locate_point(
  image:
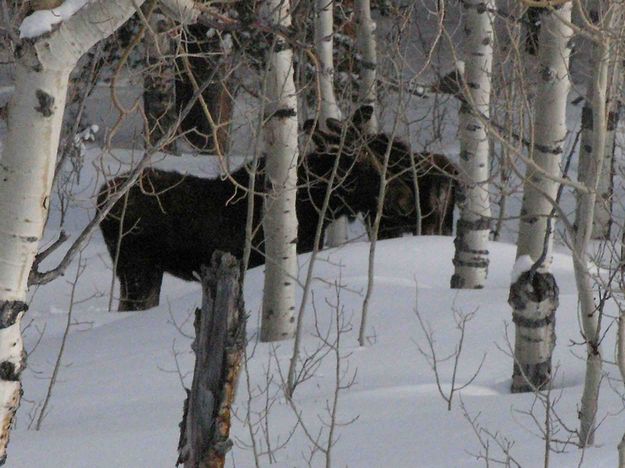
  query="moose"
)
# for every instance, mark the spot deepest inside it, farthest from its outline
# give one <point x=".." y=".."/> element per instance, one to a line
<point x="172" y="223"/>
<point x="428" y="180"/>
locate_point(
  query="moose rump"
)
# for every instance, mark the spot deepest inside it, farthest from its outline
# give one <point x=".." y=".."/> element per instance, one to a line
<point x="169" y="222"/>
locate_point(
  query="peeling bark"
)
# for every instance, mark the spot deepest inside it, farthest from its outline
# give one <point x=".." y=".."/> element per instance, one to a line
<point x="219" y="347"/>
<point x="534" y="300"/>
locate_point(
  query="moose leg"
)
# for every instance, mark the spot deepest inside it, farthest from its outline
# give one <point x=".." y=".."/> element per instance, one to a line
<point x="140" y="287"/>
<point x="448" y="224"/>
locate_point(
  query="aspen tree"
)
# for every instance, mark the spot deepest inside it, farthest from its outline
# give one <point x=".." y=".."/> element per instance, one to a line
<point x="280" y="221"/>
<point x="336" y="232"/>
<point x="365" y="35"/>
<point x="596" y="123"/>
<point x="473" y="227"/>
<point x="43" y="63"/>
<point x="534" y="293"/>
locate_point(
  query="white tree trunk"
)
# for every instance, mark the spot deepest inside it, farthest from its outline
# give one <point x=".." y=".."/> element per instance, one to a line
<point x="336" y="232"/>
<point x="35" y="118"/>
<point x="549" y="134"/>
<point x="324" y="45"/>
<point x="532" y="359"/>
<point x="280" y="221"/>
<point x="473" y="227"/>
<point x="589" y="175"/>
<point x="620" y="360"/>
<point x="602" y="222"/>
<point x="365" y="32"/>
<point x="27" y="168"/>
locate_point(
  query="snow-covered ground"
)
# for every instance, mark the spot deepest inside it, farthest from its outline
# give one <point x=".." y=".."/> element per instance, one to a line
<point x="118" y="400"/>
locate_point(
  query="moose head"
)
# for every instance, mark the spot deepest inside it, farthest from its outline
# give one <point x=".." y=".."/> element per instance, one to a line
<point x="423" y="180"/>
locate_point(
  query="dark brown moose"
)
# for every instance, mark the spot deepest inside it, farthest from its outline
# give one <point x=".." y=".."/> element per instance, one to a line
<point x="172" y="223"/>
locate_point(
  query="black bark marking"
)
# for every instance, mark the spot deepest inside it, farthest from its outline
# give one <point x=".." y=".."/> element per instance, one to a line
<point x="532" y="24"/>
<point x="474" y="264"/>
<point x="281" y="46"/>
<point x="477" y="258"/>
<point x="368" y="65"/>
<point x="548" y="74"/>
<point x="46" y="103"/>
<point x="457" y="282"/>
<point x="9" y="311"/>
<point x="538" y="374"/>
<point x="555" y="150"/>
<point x="612" y="121"/>
<point x="284" y="113"/>
<point x="8" y="373"/>
<point x="570" y="44"/>
<point x="587" y="118"/>
<point x="481" y="224"/>
<point x="526" y="322"/>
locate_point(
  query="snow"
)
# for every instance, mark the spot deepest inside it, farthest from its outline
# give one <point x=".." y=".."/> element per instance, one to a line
<point x="118" y="400"/>
<point x="460" y="67"/>
<point x="42" y="21"/>
<point x="523" y="263"/>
